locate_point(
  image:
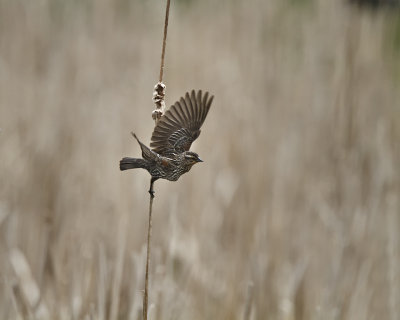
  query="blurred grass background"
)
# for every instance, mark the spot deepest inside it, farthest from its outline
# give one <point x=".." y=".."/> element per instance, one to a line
<point x="293" y="215"/>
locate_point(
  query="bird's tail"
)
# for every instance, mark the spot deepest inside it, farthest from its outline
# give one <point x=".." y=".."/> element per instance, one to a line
<point x="132" y="163"/>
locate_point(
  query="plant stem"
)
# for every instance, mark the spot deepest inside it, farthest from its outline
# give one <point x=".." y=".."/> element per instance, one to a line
<point x="146" y="282"/>
<point x="164" y="41"/>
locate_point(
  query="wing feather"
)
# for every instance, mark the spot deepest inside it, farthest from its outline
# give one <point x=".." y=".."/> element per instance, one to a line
<point x="194" y="103"/>
<point x="180" y="112"/>
<point x="203" y="111"/>
<point x="190" y="106"/>
<point x="186" y="110"/>
<point x="180" y="125"/>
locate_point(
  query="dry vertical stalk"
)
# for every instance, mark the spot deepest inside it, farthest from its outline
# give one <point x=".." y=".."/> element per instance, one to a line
<point x="159" y="89"/>
<point x="248" y="301"/>
<point x="164" y="41"/>
<point x="158" y="98"/>
<point x="146" y="281"/>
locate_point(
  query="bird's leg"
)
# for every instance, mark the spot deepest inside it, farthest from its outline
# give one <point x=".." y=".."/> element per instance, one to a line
<point x="151" y="191"/>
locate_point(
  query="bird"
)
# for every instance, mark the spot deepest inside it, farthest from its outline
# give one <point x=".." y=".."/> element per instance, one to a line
<point x="169" y="156"/>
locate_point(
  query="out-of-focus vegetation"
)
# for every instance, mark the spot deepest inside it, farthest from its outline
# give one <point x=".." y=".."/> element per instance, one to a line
<point x="293" y="215"/>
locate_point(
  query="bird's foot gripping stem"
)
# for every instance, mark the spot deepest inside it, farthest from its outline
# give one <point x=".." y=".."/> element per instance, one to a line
<point x="151" y="191"/>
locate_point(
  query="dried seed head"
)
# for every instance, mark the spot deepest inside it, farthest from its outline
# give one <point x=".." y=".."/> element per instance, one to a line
<point x="158" y="98"/>
<point x="160" y="88"/>
<point x="156" y="114"/>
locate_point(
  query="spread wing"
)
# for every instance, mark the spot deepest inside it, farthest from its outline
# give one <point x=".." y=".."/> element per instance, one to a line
<point x="180" y="125"/>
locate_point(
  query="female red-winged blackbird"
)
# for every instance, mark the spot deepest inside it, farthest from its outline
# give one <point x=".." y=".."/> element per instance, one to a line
<point x="171" y="140"/>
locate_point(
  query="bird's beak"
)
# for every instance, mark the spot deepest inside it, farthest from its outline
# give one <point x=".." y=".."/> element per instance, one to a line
<point x="199" y="160"/>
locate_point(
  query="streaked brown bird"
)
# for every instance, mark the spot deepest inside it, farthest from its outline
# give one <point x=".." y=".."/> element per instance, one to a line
<point x="172" y="137"/>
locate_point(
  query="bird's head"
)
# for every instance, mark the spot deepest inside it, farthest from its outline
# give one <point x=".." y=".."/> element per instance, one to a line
<point x="192" y="157"/>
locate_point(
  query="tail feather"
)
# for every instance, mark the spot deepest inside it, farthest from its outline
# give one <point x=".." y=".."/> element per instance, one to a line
<point x="132" y="163"/>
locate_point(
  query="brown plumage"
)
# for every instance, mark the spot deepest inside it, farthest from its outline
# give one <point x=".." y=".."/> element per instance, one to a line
<point x="172" y="137"/>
